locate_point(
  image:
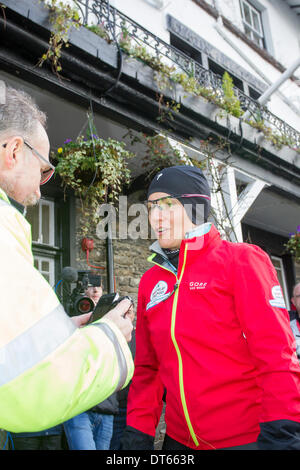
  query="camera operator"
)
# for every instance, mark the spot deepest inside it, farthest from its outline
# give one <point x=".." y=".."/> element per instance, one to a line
<point x="92" y="430"/>
<point x="51" y="368"/>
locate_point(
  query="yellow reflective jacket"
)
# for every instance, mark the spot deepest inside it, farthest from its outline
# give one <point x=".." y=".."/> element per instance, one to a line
<point x="50" y="370"/>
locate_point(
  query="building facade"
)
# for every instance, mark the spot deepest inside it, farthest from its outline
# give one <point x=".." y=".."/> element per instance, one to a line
<point x="156" y="68"/>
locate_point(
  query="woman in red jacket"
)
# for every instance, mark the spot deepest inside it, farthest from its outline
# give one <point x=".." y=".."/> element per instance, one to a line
<point x="213" y="331"/>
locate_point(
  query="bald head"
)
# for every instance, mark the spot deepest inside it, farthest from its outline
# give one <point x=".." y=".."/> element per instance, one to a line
<point x="296" y="297"/>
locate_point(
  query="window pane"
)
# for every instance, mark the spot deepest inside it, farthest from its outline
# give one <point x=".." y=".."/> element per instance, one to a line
<point x="248" y="32"/>
<point x="256" y="24"/>
<point x="45" y="266"/>
<point x="33" y="218"/>
<point x="46" y="224"/>
<point x="279" y="275"/>
<point x="247" y="14"/>
<point x="256" y="39"/>
<point x="276" y="263"/>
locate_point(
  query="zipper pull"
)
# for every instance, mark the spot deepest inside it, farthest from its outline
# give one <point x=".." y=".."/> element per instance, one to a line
<point x="171" y="293"/>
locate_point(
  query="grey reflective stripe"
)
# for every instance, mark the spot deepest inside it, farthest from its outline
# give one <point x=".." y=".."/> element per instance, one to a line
<point x="121" y="358"/>
<point x="35" y="344"/>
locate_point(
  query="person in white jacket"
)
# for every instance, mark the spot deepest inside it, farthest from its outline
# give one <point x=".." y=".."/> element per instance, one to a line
<point x="52" y="367"/>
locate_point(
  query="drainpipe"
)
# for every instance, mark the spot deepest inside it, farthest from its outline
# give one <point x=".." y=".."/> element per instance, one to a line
<point x="220" y="28"/>
<point x="110" y="259"/>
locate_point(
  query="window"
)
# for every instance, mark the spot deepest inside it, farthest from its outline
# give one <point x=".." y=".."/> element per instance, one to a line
<point x="278" y="265"/>
<point x="46" y="267"/>
<point x="252" y="23"/>
<point x="186" y="48"/>
<point x="41" y="218"/>
<point x="218" y="70"/>
<point x="253" y="93"/>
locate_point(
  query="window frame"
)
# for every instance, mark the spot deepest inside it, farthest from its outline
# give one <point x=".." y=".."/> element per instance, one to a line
<point x="39" y="259"/>
<point x="51" y="205"/>
<point x="259" y="13"/>
<point x="284" y="280"/>
<point x="51" y="252"/>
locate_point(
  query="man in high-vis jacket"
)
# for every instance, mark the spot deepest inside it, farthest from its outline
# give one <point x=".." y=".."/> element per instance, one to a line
<point x="52" y="367"/>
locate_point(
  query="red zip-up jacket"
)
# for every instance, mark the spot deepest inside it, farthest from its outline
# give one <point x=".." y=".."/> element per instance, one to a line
<point x="217" y="337"/>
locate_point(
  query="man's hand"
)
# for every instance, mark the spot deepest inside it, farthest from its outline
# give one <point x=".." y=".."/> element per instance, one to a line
<point x="120" y="319"/>
<point x="81" y="320"/>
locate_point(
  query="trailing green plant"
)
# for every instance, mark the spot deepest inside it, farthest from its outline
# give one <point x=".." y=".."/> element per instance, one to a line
<point x="293" y="244"/>
<point x="276" y="139"/>
<point x="230" y="102"/>
<point x="63" y="17"/>
<point x="96" y="169"/>
<point x="100" y="30"/>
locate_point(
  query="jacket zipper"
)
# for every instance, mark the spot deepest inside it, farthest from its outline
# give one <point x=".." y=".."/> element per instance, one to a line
<point x="173" y="321"/>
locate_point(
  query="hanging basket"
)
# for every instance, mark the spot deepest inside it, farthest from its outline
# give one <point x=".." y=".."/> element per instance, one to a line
<point x="96" y="170"/>
<point x="293" y="245"/>
<point x="94" y="167"/>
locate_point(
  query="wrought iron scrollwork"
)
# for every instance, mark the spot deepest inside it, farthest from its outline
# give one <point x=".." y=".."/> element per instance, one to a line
<point x="118" y="26"/>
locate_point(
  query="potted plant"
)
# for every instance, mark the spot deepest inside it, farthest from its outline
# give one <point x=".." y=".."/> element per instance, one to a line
<point x="293" y="245"/>
<point x="96" y="169"/>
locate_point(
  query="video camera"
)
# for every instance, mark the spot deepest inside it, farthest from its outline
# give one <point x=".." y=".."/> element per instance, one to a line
<point x="78" y="301"/>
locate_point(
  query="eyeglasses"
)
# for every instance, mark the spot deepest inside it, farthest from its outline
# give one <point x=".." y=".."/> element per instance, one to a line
<point x="45" y="174"/>
<point x="167" y="203"/>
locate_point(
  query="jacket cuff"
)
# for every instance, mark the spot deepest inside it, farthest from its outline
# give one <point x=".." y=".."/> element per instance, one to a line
<point x="133" y="439"/>
<point x="124" y="347"/>
<point x="282" y="434"/>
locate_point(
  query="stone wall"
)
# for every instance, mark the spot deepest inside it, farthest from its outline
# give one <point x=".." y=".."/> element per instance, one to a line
<point x="129" y="256"/>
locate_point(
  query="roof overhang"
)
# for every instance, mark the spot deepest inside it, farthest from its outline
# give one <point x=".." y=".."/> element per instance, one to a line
<point x="294" y="6"/>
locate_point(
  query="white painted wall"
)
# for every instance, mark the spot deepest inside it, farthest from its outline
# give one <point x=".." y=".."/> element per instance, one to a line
<point x="284" y="28"/>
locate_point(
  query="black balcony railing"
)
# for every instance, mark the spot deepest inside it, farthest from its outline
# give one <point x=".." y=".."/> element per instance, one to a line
<point x="114" y="25"/>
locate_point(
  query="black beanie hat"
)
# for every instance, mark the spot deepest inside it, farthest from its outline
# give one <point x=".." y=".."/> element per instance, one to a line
<point x="184" y="180"/>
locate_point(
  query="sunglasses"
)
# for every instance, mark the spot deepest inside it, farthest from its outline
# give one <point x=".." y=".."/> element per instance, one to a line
<point x="166" y="202"/>
<point x="45" y="174"/>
